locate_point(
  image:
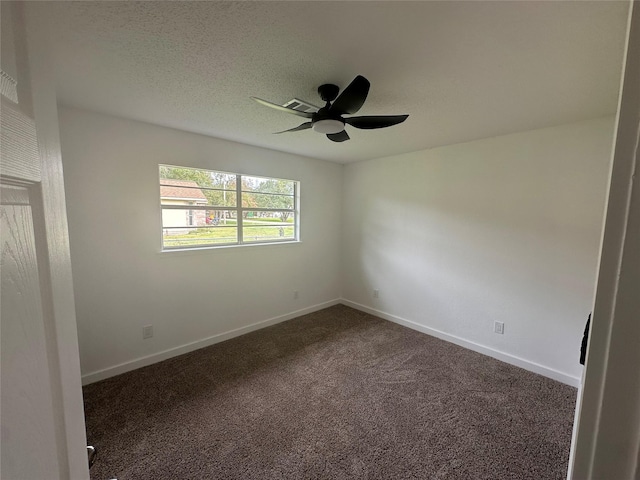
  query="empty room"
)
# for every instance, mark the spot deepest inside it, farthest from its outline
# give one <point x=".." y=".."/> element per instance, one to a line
<point x="319" y="240"/>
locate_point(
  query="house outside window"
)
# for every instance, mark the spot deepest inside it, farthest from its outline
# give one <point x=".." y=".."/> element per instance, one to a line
<point x="206" y="208"/>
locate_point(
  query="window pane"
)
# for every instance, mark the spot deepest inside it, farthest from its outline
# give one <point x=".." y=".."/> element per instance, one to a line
<point x="268" y="226"/>
<point x="266" y="200"/>
<point x="198" y="237"/>
<point x="267" y="185"/>
<point x="185" y="217"/>
<point x="276" y="218"/>
<point x="253" y="233"/>
<point x="197" y="177"/>
<point x="222" y="218"/>
<point x="186" y="192"/>
<point x="190" y="186"/>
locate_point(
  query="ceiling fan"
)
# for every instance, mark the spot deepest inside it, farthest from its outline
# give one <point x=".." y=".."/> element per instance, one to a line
<point x="329" y="119"/>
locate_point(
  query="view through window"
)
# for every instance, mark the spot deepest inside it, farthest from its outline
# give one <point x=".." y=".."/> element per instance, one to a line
<point x="205" y="208"/>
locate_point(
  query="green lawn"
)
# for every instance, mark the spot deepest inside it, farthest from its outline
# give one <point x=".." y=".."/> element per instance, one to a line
<point x="255" y="229"/>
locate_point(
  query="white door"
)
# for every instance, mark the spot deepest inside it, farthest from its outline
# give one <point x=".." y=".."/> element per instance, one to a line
<point x="41" y="412"/>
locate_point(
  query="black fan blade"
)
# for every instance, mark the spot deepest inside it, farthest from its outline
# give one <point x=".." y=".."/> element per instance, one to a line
<point x="281" y="108"/>
<point x="338" y="137"/>
<point x="304" y="126"/>
<point x="373" y="121"/>
<point x="352" y="98"/>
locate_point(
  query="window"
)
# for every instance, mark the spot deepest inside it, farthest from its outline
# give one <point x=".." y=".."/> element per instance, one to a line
<point x="189" y="217"/>
<point x="205" y="208"/>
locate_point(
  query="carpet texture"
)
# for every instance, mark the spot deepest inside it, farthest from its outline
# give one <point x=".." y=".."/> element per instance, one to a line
<point x="336" y="394"/>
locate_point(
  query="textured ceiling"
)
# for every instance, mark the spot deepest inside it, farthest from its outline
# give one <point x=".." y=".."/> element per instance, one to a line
<point x="461" y="70"/>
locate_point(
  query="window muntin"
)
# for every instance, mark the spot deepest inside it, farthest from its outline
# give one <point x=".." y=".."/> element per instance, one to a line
<point x="204" y="208"/>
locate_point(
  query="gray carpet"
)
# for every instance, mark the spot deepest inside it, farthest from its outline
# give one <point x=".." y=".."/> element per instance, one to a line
<point x="337" y="394"/>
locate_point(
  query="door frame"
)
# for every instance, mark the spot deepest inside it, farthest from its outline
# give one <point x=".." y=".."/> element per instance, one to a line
<point x="35" y="71"/>
<point x="606" y="440"/>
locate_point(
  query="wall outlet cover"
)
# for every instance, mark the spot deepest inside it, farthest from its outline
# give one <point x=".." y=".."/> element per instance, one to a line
<point x="147" y="331"/>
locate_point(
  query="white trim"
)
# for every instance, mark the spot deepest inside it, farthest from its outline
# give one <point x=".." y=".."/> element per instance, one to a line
<point x="205" y="342"/>
<point x="476" y="347"/>
<point x="223" y="247"/>
<point x="221" y="337"/>
<point x="56" y="276"/>
<point x="606" y="440"/>
<point x="183" y="199"/>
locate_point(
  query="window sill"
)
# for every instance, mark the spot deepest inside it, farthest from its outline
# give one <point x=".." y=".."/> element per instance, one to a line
<point x="223" y="248"/>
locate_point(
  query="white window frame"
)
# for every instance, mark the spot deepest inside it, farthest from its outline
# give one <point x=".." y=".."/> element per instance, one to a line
<point x="239" y="209"/>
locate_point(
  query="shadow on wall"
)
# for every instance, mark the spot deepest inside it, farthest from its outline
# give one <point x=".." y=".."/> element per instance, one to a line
<point x="457" y="260"/>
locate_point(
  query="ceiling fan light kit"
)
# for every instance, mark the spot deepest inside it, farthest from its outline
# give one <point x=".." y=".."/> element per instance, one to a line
<point x="328" y="126"/>
<point x="329" y="121"/>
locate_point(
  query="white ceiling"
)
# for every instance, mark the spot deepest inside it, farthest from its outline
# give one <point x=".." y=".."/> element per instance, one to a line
<point x="461" y="70"/>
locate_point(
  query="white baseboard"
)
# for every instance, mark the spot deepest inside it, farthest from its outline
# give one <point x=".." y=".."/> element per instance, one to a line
<point x="205" y="342"/>
<point x="505" y="357"/>
<point x="221" y="337"/>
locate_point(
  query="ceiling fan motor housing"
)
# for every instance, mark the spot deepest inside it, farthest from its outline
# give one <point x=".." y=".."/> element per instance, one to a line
<point x="328" y="92"/>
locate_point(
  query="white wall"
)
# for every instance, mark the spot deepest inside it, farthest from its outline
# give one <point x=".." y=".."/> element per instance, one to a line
<point x="502" y="229"/>
<point x="454" y="238"/>
<point x="123" y="282"/>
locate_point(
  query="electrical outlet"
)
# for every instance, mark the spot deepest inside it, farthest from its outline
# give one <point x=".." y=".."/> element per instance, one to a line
<point x="147" y="331"/>
<point x="296" y="294"/>
<point x="376" y="293"/>
<point x="498" y="327"/>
